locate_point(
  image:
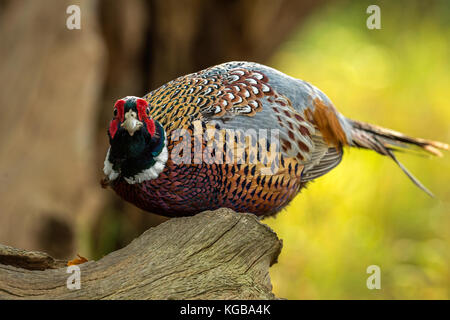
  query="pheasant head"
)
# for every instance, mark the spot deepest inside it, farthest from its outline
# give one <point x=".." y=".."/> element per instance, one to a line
<point x="138" y="144"/>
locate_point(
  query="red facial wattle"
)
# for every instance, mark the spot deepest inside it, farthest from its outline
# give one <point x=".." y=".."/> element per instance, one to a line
<point x="141" y="106"/>
<point x="119" y="116"/>
<point x="113" y="127"/>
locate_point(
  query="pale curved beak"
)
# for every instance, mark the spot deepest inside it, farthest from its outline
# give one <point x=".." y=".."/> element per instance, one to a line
<point x="131" y="123"/>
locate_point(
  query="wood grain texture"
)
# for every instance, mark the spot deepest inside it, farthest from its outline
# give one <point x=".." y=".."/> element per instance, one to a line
<point x="214" y="255"/>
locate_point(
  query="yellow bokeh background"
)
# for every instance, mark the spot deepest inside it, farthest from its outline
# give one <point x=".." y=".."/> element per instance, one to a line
<point x="366" y="211"/>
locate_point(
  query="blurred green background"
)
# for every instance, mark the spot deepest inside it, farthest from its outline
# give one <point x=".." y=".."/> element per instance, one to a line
<point x="366" y="211"/>
<point x="58" y="86"/>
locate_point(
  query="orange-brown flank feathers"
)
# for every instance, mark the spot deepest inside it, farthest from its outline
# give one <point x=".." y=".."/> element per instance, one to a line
<point x="326" y="120"/>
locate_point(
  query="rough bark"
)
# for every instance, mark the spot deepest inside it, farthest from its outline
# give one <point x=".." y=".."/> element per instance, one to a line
<point x="214" y="255"/>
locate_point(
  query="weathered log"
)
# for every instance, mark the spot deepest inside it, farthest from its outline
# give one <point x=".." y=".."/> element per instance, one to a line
<point x="214" y="255"/>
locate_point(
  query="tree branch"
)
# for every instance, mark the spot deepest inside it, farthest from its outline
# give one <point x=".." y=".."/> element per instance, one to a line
<point x="214" y="255"/>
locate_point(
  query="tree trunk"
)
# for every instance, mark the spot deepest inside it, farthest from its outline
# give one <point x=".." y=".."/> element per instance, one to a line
<point x="214" y="255"/>
<point x="50" y="84"/>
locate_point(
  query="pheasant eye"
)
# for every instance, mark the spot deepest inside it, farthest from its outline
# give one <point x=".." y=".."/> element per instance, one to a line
<point x="115" y="112"/>
<point x="147" y="112"/>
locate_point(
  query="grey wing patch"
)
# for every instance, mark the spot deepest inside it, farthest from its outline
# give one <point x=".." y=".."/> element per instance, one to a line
<point x="324" y="159"/>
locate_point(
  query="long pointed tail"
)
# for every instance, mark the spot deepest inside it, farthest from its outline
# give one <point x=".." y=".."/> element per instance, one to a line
<point x="386" y="141"/>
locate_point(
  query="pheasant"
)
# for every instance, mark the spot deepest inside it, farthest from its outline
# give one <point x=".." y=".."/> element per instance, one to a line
<point x="201" y="142"/>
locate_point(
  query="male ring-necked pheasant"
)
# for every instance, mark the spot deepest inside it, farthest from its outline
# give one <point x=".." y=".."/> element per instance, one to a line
<point x="203" y="141"/>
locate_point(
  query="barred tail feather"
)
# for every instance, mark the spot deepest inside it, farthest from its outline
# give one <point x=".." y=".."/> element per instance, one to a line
<point x="386" y="141"/>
